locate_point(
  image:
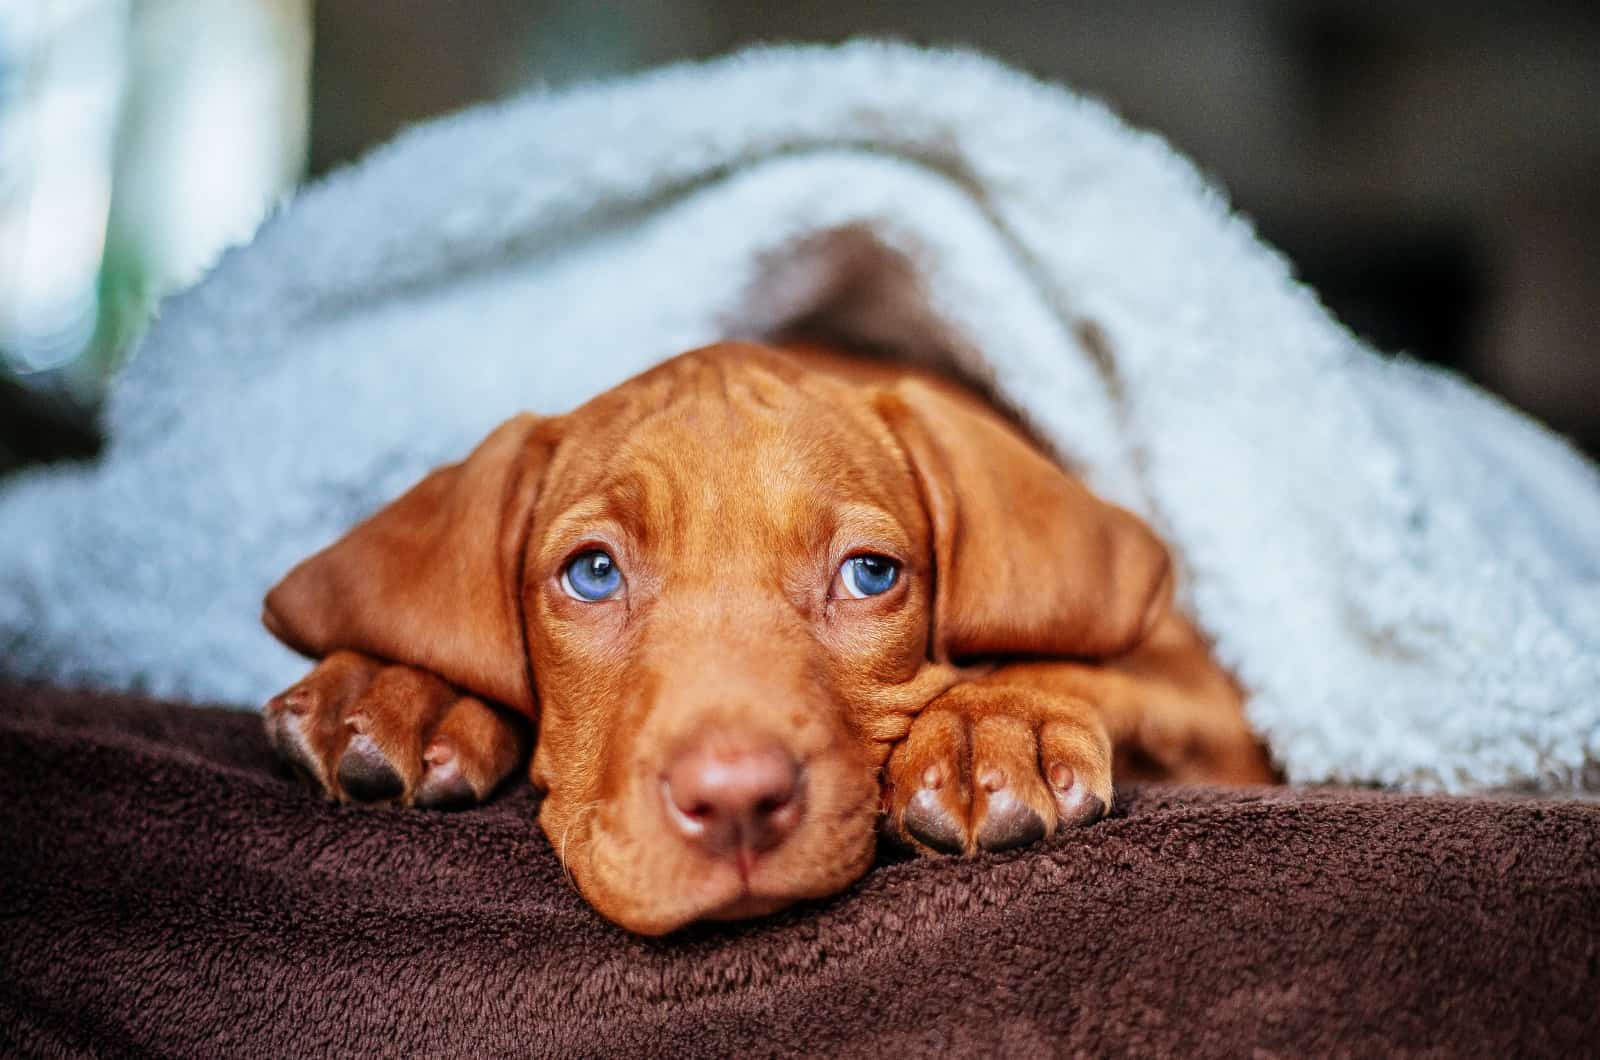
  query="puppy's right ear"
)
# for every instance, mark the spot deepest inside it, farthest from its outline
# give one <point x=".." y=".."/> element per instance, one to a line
<point x="1027" y="561"/>
<point x="434" y="579"/>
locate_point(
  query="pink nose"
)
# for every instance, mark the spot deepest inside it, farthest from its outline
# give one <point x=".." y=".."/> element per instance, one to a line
<point x="734" y="794"/>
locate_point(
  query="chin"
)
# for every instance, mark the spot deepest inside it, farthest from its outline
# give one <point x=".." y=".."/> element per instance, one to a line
<point x="748" y="907"/>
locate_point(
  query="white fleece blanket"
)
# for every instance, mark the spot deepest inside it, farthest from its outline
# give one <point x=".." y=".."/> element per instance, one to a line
<point x="1404" y="573"/>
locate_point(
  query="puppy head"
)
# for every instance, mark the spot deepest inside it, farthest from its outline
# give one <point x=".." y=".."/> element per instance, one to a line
<point x="724" y="589"/>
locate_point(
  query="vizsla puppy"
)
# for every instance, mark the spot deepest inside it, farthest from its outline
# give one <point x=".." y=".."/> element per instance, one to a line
<point x="760" y="602"/>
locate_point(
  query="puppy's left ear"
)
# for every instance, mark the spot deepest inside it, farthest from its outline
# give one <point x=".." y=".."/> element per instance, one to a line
<point x="433" y="579"/>
<point x="1026" y="560"/>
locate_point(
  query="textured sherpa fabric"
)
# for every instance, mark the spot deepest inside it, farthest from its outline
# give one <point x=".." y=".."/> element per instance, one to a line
<point x="166" y="894"/>
<point x="1404" y="574"/>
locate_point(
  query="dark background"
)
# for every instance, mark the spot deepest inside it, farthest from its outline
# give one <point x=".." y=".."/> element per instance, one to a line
<point x="1433" y="170"/>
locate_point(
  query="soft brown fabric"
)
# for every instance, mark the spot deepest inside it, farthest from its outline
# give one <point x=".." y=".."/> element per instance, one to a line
<point x="163" y="891"/>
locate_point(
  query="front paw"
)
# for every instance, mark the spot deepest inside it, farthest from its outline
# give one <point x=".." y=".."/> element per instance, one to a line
<point x="367" y="731"/>
<point x="992" y="769"/>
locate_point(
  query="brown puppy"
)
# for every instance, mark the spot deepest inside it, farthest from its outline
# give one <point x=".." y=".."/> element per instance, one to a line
<point x="757" y="600"/>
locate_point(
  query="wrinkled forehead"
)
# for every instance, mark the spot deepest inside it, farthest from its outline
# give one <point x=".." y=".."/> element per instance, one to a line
<point x="716" y="453"/>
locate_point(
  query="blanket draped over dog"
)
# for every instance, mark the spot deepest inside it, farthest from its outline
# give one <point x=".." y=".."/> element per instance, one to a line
<point x="165" y="892"/>
<point x="1405" y="574"/>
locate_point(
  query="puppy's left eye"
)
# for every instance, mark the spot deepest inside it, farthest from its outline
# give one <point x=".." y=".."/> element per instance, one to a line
<point x="592" y="577"/>
<point x="864" y="576"/>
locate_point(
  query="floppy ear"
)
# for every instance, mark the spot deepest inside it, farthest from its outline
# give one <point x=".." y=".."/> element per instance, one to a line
<point x="432" y="580"/>
<point x="1026" y="560"/>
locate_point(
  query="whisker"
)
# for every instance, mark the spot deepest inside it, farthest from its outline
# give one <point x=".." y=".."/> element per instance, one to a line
<point x="566" y="833"/>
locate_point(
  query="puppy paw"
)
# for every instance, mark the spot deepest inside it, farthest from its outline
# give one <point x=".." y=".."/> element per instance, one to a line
<point x="366" y="731"/>
<point x="977" y="772"/>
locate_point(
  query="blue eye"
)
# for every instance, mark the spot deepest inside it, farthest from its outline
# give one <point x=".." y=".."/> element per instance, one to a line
<point x="592" y="577"/>
<point x="864" y="576"/>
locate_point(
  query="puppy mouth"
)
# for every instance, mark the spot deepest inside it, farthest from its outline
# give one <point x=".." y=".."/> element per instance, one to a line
<point x="745" y="890"/>
<point x="745" y="884"/>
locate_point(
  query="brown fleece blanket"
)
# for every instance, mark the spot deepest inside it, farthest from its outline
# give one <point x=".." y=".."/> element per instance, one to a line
<point x="164" y="890"/>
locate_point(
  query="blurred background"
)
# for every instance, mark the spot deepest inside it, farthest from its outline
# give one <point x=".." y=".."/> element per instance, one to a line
<point x="1432" y="169"/>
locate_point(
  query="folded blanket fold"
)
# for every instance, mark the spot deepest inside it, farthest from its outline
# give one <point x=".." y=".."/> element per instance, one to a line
<point x="1405" y="574"/>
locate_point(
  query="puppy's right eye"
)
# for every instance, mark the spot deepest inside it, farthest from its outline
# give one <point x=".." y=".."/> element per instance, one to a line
<point x="867" y="575"/>
<point x="591" y="577"/>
